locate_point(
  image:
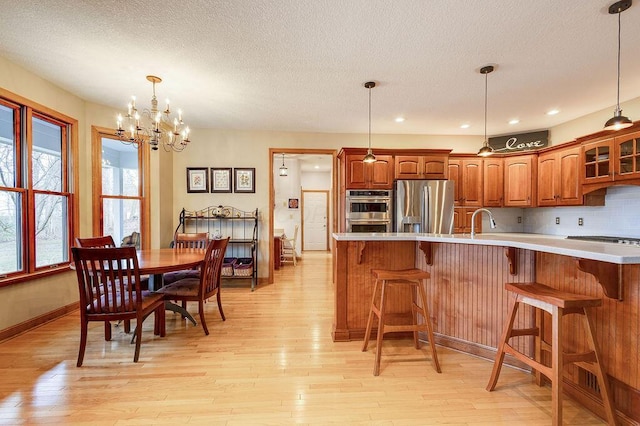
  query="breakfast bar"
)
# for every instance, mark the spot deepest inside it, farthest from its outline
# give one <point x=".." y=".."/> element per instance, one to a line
<point x="468" y="303"/>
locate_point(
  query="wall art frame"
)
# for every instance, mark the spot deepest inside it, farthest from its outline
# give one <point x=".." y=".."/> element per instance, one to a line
<point x="244" y="180"/>
<point x="221" y="180"/>
<point x="197" y="179"/>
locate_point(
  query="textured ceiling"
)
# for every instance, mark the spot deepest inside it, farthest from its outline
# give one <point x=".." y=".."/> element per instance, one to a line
<point x="300" y="65"/>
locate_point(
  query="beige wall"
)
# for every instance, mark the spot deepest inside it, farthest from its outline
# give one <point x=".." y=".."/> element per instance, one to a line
<point x="210" y="148"/>
<point x="591" y="123"/>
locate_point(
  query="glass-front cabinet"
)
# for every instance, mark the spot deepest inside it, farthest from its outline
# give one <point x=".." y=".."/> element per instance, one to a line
<point x="628" y="156"/>
<point x="598" y="161"/>
<point x="615" y="158"/>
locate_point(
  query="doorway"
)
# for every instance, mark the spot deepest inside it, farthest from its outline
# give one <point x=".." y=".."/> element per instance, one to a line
<point x="295" y="172"/>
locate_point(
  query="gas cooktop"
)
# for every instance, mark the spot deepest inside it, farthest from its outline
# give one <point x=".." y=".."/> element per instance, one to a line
<point x="605" y="239"/>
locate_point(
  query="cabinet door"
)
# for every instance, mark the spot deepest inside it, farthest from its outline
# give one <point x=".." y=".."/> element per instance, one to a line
<point x="408" y="167"/>
<point x="493" y="185"/>
<point x="569" y="185"/>
<point x="355" y="172"/>
<point x="434" y="167"/>
<point x="472" y="182"/>
<point x="598" y="162"/>
<point x="458" y="220"/>
<point x="547" y="179"/>
<point x="628" y="156"/>
<point x="468" y="214"/>
<point x="519" y="181"/>
<point x="381" y="172"/>
<point x="455" y="174"/>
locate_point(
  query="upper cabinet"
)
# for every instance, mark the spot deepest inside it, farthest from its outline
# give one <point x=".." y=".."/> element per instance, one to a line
<point x="559" y="182"/>
<point x="598" y="161"/>
<point x="610" y="160"/>
<point x="467" y="173"/>
<point x="361" y="175"/>
<point x="421" y="165"/>
<point x="627" y="150"/>
<point x="520" y="180"/>
<point x="493" y="185"/>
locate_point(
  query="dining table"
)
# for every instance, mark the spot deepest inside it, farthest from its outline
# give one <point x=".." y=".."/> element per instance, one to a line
<point x="156" y="262"/>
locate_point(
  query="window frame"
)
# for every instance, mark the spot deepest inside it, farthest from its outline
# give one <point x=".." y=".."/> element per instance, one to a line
<point x="144" y="185"/>
<point x="24" y="111"/>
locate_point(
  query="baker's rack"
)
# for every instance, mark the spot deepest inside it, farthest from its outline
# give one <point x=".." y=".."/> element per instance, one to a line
<point x="227" y="221"/>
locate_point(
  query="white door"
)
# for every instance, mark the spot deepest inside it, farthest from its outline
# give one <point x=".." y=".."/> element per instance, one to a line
<point x="315" y="220"/>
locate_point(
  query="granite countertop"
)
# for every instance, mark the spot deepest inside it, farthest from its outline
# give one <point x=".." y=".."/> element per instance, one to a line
<point x="605" y="252"/>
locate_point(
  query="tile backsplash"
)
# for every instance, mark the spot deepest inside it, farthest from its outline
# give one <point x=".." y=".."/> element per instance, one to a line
<point x="620" y="217"/>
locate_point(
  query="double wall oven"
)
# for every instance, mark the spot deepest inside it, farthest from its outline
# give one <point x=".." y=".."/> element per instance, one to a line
<point x="368" y="210"/>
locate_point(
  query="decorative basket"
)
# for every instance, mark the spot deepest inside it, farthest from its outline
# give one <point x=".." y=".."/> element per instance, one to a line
<point x="243" y="267"/>
<point x="227" y="266"/>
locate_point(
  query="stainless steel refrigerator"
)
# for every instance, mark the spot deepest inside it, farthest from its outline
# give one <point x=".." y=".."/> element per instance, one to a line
<point x="423" y="206"/>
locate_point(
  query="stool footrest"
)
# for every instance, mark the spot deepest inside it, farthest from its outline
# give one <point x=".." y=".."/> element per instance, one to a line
<point x="588" y="357"/>
<point x="396" y="328"/>
<point x="535" y="331"/>
<point x="547" y="371"/>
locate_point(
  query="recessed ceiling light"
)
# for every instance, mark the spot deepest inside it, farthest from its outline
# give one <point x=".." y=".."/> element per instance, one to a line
<point x="514" y="121"/>
<point x="316" y="167"/>
<point x="465" y="126"/>
<point x="553" y="112"/>
<point x="399" y="119"/>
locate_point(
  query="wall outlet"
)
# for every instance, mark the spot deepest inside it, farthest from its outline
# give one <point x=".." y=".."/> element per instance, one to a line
<point x="580" y="221"/>
<point x="519" y="219"/>
<point x="557" y="221"/>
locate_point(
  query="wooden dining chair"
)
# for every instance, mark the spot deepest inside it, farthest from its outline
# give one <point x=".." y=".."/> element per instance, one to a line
<point x="106" y="241"/>
<point x="206" y="286"/>
<point x="109" y="288"/>
<point x="102" y="241"/>
<point x="198" y="240"/>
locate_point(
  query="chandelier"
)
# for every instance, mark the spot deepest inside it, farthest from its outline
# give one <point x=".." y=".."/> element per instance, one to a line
<point x="153" y="126"/>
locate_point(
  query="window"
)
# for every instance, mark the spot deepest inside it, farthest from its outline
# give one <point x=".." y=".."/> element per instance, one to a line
<point x="36" y="219"/>
<point x="120" y="193"/>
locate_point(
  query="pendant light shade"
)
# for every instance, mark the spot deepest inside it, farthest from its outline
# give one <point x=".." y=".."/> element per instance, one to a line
<point x="283" y="170"/>
<point x="618" y="121"/>
<point x="369" y="158"/>
<point x="486" y="150"/>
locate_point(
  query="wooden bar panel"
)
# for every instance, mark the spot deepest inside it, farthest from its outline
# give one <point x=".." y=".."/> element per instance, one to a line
<point x="354" y="282"/>
<point x="468" y="302"/>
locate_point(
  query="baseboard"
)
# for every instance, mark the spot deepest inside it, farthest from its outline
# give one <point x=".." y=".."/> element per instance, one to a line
<point x="32" y="323"/>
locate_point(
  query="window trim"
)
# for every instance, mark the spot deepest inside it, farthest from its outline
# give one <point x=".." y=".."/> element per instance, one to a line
<point x="22" y="124"/>
<point x="97" y="133"/>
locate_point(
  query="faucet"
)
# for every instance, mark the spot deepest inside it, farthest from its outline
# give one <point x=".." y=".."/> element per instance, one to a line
<point x="473" y="221"/>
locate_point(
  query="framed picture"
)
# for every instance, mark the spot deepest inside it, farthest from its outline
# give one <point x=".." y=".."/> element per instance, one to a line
<point x="220" y="179"/>
<point x="293" y="203"/>
<point x="197" y="179"/>
<point x="244" y="180"/>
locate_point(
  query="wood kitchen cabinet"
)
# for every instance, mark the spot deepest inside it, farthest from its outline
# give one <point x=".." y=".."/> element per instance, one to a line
<point x="361" y="175"/>
<point x="493" y="182"/>
<point x="421" y="165"/>
<point x="559" y="182"/>
<point x="611" y="159"/>
<point x="520" y="180"/>
<point x="466" y="172"/>
<point x="462" y="220"/>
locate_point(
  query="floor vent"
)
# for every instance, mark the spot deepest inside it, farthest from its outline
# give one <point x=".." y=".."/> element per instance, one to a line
<point x="589" y="381"/>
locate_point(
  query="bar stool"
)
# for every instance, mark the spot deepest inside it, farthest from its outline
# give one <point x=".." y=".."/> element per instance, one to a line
<point x="558" y="304"/>
<point x="405" y="277"/>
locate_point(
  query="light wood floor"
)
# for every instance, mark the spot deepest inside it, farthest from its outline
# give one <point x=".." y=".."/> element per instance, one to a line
<point x="272" y="362"/>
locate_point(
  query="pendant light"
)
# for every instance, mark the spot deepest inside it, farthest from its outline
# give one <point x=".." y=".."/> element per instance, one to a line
<point x="618" y="121"/>
<point x="283" y="170"/>
<point x="486" y="150"/>
<point x="369" y="158"/>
